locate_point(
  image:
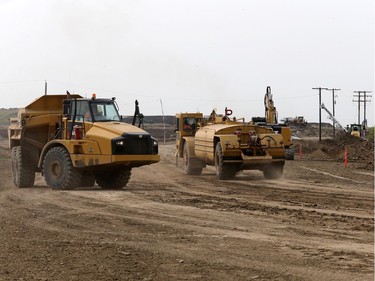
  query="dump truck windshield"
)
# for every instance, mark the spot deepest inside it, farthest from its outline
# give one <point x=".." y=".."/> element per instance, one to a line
<point x="97" y="111"/>
<point x="104" y="111"/>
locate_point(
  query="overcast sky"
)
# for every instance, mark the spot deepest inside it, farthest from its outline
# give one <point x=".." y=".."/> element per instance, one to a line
<point x="191" y="55"/>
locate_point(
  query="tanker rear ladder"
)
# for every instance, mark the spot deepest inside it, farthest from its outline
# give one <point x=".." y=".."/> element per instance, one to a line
<point x="332" y="117"/>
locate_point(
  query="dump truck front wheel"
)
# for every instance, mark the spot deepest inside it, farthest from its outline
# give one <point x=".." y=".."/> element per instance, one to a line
<point x="58" y="169"/>
<point x="23" y="175"/>
<point x="114" y="178"/>
<point x="223" y="171"/>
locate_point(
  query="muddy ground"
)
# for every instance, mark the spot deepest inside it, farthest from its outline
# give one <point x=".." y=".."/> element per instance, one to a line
<point x="316" y="223"/>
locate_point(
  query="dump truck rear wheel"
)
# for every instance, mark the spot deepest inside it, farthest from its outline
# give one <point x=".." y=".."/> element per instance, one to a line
<point x="223" y="172"/>
<point x="23" y="176"/>
<point x="115" y="178"/>
<point x="188" y="163"/>
<point x="58" y="169"/>
<point x="273" y="171"/>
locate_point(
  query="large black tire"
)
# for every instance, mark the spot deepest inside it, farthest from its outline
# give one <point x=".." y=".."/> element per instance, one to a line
<point x="58" y="169"/>
<point x="273" y="171"/>
<point x="223" y="171"/>
<point x="189" y="162"/>
<point x="114" y="178"/>
<point x="23" y="175"/>
<point x="289" y="153"/>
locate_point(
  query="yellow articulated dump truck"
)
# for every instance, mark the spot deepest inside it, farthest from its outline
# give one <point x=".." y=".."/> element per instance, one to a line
<point x="229" y="144"/>
<point x="75" y="142"/>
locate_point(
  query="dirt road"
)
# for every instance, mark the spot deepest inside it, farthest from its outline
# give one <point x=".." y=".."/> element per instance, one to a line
<point x="317" y="223"/>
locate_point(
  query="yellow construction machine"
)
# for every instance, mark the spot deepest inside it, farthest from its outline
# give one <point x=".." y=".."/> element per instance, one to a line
<point x="75" y="142"/>
<point x="270" y="120"/>
<point x="355" y="130"/>
<point x="229" y="144"/>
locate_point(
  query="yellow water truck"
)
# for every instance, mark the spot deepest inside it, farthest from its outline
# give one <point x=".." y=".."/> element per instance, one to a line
<point x="229" y="144"/>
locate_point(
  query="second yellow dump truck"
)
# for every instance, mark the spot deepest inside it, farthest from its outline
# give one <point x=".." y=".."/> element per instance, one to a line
<point x="75" y="142"/>
<point x="229" y="144"/>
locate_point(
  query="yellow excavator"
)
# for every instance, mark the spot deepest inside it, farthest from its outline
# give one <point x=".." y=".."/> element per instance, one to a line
<point x="270" y="120"/>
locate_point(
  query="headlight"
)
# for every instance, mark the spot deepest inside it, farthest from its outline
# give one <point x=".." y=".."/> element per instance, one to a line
<point x="155" y="146"/>
<point x="120" y="142"/>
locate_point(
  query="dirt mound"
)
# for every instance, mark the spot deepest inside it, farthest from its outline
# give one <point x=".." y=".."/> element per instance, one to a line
<point x="358" y="150"/>
<point x="319" y="155"/>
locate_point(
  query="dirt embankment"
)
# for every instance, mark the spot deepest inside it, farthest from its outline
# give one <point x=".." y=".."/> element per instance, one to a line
<point x="357" y="151"/>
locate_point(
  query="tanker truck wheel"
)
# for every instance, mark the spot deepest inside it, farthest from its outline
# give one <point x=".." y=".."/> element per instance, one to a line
<point x="23" y="176"/>
<point x="289" y="153"/>
<point x="273" y="171"/>
<point x="189" y="168"/>
<point x="58" y="169"/>
<point x="114" y="178"/>
<point x="223" y="171"/>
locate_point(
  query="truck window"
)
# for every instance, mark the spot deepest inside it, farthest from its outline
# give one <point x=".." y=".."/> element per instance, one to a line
<point x="189" y="124"/>
<point x="83" y="111"/>
<point x="105" y="111"/>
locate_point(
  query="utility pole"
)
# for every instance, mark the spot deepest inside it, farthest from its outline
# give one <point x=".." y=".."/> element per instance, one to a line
<point x="320" y="110"/>
<point x="333" y="108"/>
<point x="363" y="99"/>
